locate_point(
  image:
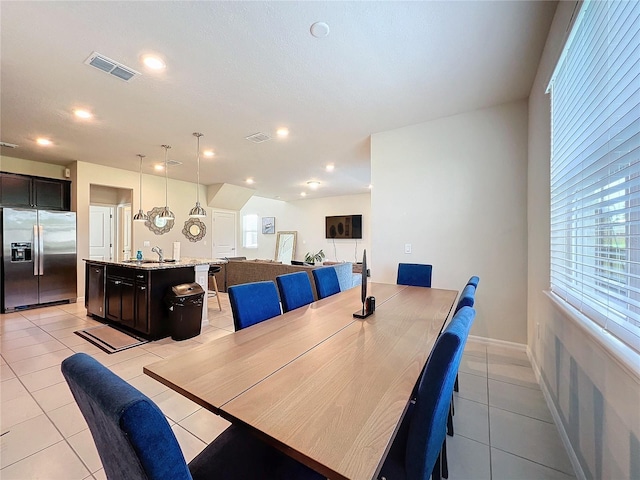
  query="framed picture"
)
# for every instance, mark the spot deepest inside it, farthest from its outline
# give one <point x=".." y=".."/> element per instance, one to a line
<point x="268" y="225"/>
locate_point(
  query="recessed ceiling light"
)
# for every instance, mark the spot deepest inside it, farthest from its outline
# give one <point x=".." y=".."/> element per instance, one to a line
<point x="153" y="62"/>
<point x="45" y="142"/>
<point x="330" y="167"/>
<point x="313" y="184"/>
<point x="208" y="153"/>
<point x="319" y="29"/>
<point x="303" y="194"/>
<point x="282" y="132"/>
<point x="80" y="113"/>
<point x="249" y="181"/>
<point x="159" y="167"/>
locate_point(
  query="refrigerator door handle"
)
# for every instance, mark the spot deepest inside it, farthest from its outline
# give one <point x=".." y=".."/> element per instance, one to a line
<point x="36" y="256"/>
<point x="40" y="250"/>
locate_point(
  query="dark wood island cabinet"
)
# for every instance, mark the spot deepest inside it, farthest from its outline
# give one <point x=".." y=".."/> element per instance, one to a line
<point x="132" y="295"/>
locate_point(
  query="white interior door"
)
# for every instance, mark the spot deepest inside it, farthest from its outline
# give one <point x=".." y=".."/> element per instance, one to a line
<point x="100" y="232"/>
<point x="224" y="234"/>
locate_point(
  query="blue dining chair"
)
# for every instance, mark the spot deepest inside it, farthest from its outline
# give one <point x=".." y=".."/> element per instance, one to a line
<point x="134" y="439"/>
<point x="416" y="451"/>
<point x="295" y="290"/>
<point x="253" y="303"/>
<point x="414" y="274"/>
<point x="467" y="297"/>
<point x="326" y="281"/>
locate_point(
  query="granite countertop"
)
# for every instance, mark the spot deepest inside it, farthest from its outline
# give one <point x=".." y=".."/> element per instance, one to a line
<point x="148" y="264"/>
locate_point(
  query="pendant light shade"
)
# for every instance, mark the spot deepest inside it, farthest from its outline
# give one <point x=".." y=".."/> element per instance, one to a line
<point x="165" y="212"/>
<point x="140" y="216"/>
<point x="198" y="211"/>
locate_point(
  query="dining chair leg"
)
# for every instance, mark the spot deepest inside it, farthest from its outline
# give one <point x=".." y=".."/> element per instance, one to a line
<point x="443" y="457"/>
<point x="452" y="412"/>
<point x="435" y="474"/>
<point x="215" y="291"/>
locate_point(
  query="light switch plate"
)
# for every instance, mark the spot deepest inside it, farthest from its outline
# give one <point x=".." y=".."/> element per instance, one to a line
<point x="407" y="248"/>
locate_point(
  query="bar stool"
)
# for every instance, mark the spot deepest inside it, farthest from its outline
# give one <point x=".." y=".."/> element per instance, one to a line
<point x="213" y="269"/>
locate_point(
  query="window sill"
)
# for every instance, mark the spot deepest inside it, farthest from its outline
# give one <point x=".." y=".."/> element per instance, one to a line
<point x="619" y="352"/>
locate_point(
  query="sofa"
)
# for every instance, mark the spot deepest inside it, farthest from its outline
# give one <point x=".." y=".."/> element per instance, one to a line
<point x="237" y="272"/>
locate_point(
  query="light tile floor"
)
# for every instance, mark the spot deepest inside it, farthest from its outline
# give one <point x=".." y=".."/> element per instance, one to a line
<point x="503" y="427"/>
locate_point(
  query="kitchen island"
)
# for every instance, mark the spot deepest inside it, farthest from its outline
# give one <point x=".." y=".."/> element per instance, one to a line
<point x="131" y="293"/>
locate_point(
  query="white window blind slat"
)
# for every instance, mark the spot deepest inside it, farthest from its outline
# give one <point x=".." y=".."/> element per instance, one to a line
<point x="595" y="169"/>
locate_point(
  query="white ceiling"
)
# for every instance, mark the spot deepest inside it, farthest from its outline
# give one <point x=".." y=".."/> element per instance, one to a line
<point x="236" y="68"/>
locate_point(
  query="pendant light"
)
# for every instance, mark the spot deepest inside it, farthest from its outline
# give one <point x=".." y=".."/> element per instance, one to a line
<point x="165" y="212"/>
<point x="140" y="216"/>
<point x="198" y="211"/>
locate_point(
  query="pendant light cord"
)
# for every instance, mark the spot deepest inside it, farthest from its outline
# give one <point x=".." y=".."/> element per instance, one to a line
<point x="198" y="135"/>
<point x="141" y="157"/>
<point x="166" y="178"/>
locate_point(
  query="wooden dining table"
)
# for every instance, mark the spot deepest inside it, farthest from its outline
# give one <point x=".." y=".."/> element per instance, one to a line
<point x="322" y="386"/>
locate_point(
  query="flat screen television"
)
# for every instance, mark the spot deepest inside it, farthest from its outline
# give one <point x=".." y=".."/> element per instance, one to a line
<point x="343" y="226"/>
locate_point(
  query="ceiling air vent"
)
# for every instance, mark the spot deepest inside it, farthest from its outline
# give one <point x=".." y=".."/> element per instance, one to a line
<point x="111" y="67"/>
<point x="258" y="137"/>
<point x="173" y="163"/>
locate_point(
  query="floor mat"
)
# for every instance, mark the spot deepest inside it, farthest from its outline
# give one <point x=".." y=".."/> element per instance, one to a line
<point x="110" y="339"/>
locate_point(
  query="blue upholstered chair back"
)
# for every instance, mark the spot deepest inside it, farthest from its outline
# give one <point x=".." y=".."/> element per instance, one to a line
<point x="326" y="281"/>
<point x="414" y="274"/>
<point x="474" y="281"/>
<point x="467" y="297"/>
<point x="428" y="424"/>
<point x="295" y="290"/>
<point x="253" y="303"/>
<point x="132" y="435"/>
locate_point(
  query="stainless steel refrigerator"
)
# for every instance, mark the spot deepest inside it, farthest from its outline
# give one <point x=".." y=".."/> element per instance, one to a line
<point x="38" y="257"/>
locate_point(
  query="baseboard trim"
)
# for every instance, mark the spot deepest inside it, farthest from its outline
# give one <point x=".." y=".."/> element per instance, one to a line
<point x="573" y="458"/>
<point x="521" y="347"/>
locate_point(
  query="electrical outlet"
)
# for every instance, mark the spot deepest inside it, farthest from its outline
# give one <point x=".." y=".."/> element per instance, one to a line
<point x="146" y="243"/>
<point x="407" y="248"/>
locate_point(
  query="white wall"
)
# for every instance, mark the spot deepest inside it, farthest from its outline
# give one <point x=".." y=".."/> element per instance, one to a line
<point x="182" y="197"/>
<point x="28" y="167"/>
<point x="455" y="189"/>
<point x="597" y="396"/>
<point x="307" y="218"/>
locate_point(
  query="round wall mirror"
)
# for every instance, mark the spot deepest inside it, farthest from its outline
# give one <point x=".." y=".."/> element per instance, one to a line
<point x="194" y="230"/>
<point x="156" y="224"/>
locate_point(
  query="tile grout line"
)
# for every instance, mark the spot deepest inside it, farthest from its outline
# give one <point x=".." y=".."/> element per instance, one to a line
<point x="534" y="461"/>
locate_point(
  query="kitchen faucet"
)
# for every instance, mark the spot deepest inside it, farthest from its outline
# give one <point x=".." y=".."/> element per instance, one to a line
<point x="158" y="250"/>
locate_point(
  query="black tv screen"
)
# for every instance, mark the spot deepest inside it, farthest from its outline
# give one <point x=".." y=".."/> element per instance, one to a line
<point x="343" y="226"/>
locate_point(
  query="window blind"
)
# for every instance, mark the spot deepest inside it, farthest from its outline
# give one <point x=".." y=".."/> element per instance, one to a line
<point x="595" y="168"/>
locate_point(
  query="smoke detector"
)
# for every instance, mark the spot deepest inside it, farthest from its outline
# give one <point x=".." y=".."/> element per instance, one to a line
<point x="111" y="67"/>
<point x="258" y="137"/>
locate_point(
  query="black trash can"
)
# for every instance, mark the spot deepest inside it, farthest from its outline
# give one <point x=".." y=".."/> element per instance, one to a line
<point x="185" y="310"/>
